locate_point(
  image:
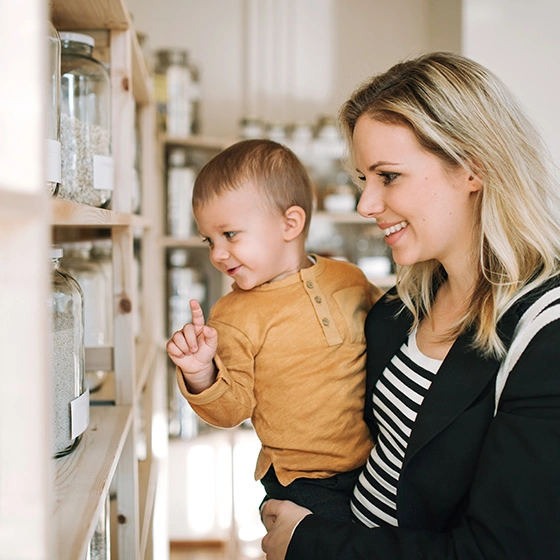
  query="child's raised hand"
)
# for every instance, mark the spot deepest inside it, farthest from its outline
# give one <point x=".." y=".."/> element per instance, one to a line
<point x="193" y="348"/>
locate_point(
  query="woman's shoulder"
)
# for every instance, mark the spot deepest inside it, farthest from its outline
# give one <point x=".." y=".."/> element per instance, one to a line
<point x="548" y="293"/>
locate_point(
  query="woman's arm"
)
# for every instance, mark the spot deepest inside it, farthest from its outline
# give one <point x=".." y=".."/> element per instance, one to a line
<point x="514" y="498"/>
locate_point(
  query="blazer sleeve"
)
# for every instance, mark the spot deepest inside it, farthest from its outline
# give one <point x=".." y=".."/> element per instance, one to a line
<point x="513" y="509"/>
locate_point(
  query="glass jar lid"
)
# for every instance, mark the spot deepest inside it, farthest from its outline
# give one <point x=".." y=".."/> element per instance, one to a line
<point x="56" y="252"/>
<point x="77" y="38"/>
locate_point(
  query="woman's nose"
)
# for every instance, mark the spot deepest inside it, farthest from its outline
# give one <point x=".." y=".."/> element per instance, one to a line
<point x="371" y="202"/>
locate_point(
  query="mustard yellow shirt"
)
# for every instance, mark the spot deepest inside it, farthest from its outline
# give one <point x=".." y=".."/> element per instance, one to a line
<point x="291" y="356"/>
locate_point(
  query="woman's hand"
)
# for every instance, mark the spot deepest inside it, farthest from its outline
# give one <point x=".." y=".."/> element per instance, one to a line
<point x="280" y="519"/>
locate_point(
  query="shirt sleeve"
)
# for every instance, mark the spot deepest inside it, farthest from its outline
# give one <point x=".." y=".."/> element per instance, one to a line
<point x="230" y="399"/>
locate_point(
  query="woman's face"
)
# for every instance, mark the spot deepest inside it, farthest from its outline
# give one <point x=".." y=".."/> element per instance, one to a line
<point x="426" y="210"/>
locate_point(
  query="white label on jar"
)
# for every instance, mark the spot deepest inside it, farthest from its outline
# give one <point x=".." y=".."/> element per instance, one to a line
<point x="79" y="414"/>
<point x="102" y="173"/>
<point x="53" y="161"/>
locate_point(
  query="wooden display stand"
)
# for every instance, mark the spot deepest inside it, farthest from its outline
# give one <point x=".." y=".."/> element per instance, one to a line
<point x="49" y="508"/>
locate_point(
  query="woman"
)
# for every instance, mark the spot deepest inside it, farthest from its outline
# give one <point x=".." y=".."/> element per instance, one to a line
<point x="467" y="458"/>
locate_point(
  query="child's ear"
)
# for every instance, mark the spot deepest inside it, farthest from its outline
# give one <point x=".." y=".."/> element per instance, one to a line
<point x="294" y="222"/>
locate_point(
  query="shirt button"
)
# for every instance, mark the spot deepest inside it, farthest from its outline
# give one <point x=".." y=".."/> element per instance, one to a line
<point x="326" y="322"/>
<point x="309" y="284"/>
<point x="318" y="299"/>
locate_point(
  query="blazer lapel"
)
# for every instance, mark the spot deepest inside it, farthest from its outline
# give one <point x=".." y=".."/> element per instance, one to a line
<point x="462" y="377"/>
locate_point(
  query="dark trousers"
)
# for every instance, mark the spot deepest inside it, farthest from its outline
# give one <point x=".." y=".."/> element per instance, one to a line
<point x="327" y="497"/>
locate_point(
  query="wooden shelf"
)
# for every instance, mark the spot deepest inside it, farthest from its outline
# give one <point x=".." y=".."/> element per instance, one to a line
<point x="191" y="242"/>
<point x="82" y="480"/>
<point x="65" y="213"/>
<point x="147" y="482"/>
<point x="145" y="357"/>
<point x="101" y="14"/>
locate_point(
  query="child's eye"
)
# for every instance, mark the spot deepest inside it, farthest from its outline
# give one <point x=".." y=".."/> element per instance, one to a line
<point x="388" y="177"/>
<point x="229" y="234"/>
<point x="207" y="240"/>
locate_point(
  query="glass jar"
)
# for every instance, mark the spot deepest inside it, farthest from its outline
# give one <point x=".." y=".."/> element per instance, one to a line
<point x="85" y="123"/>
<point x="173" y="81"/>
<point x="327" y="153"/>
<point x="100" y="544"/>
<point x="92" y="280"/>
<point x="184" y="283"/>
<point x="196" y="98"/>
<point x="70" y="399"/>
<point x="301" y="140"/>
<point x="180" y="183"/>
<point x="102" y="255"/>
<point x="251" y="127"/>
<point x="276" y="131"/>
<point x="53" y="110"/>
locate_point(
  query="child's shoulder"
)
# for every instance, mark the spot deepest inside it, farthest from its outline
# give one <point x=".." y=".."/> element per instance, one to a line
<point x="341" y="267"/>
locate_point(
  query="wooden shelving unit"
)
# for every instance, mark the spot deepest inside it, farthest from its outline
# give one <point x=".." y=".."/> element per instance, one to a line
<point x="49" y="507"/>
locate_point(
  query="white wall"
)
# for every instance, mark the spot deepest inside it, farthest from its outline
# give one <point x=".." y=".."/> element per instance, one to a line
<point x="519" y="40"/>
<point x="287" y="59"/>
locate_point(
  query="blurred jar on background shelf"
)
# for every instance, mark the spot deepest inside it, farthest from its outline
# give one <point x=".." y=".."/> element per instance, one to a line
<point x="327" y="152"/>
<point x="300" y="141"/>
<point x="185" y="282"/>
<point x="340" y="197"/>
<point x="278" y="132"/>
<point x="182" y="421"/>
<point x="180" y="182"/>
<point x="52" y="98"/>
<point x="102" y="255"/>
<point x="94" y="285"/>
<point x="70" y="399"/>
<point x="85" y="123"/>
<point x="250" y="128"/>
<point x="177" y="90"/>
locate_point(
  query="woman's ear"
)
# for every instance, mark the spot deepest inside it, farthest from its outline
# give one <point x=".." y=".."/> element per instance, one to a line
<point x="294" y="222"/>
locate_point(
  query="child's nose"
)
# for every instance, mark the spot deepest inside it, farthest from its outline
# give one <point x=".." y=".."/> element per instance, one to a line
<point x="219" y="253"/>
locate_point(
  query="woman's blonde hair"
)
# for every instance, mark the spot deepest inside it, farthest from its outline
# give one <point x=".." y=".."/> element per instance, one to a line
<point x="463" y="114"/>
<point x="272" y="169"/>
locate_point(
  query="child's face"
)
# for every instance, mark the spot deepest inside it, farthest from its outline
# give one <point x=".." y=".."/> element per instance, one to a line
<point x="245" y="236"/>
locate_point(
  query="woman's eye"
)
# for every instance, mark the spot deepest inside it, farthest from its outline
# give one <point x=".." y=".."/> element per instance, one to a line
<point x="360" y="177"/>
<point x="388" y="177"/>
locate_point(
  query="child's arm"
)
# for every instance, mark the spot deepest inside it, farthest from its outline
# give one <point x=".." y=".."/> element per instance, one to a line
<point x="192" y="349"/>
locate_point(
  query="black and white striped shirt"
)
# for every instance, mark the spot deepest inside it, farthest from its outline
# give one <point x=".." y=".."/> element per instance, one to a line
<point x="397" y="398"/>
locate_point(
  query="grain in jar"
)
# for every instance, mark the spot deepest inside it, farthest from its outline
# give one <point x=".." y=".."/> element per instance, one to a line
<point x="70" y="399"/>
<point x="85" y="123"/>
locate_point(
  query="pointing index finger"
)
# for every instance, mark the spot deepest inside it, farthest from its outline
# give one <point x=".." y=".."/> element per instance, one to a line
<point x="197" y="316"/>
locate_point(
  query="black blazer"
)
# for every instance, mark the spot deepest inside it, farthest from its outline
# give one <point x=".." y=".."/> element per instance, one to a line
<point x="472" y="486"/>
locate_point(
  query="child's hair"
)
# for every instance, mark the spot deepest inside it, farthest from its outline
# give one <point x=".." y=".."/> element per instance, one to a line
<point x="271" y="168"/>
<point x="462" y="113"/>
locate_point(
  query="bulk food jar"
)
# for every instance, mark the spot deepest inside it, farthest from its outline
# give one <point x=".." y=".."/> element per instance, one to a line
<point x="85" y="123"/>
<point x="53" y="110"/>
<point x="176" y="92"/>
<point x="94" y="284"/>
<point x="180" y="183"/>
<point x="70" y="399"/>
